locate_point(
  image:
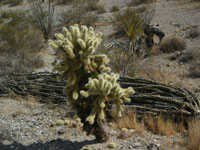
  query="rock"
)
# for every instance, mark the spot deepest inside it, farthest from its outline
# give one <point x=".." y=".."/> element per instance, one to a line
<point x="61" y="131"/>
<point x="137" y="144"/>
<point x="123" y="135"/>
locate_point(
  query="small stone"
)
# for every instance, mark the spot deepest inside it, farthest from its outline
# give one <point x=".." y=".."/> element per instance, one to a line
<point x="131" y="130"/>
<point x="113" y="132"/>
<point x="74" y="125"/>
<point x="123" y="135"/>
<point x="61" y="131"/>
<point x="134" y="145"/>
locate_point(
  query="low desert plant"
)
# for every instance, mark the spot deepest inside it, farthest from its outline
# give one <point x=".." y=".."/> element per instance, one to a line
<point x="128" y="121"/>
<point x="125" y="57"/>
<point x="114" y="9"/>
<point x="130" y="22"/>
<point x="20" y="44"/>
<point x="43" y="15"/>
<point x="192" y="142"/>
<point x="194" y="68"/>
<point x="161" y="126"/>
<point x="171" y="44"/>
<point x="79" y="15"/>
<point x="64" y="2"/>
<point x="12" y="2"/>
<point x="92" y="5"/>
<point x="139" y="2"/>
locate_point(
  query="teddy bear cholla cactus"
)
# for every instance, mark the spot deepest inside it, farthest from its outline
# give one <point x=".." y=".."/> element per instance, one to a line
<point x="107" y="89"/>
<point x="88" y="75"/>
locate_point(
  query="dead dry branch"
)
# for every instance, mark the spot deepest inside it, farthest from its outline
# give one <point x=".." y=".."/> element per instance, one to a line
<point x="150" y="97"/>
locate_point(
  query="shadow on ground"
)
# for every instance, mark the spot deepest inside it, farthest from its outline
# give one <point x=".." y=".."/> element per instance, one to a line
<point x="58" y="144"/>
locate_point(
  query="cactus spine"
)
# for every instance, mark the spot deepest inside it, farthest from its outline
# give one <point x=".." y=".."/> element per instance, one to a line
<point x="90" y="85"/>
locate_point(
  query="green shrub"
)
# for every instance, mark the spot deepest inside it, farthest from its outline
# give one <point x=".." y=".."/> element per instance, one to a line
<point x="43" y="16"/>
<point x="171" y="44"/>
<point x="20" y="44"/>
<point x="12" y="2"/>
<point x="130" y="22"/>
<point x="64" y="2"/>
<point x="79" y="15"/>
<point x="194" y="69"/>
<point x="125" y="58"/>
<point x="139" y="2"/>
<point x="114" y="9"/>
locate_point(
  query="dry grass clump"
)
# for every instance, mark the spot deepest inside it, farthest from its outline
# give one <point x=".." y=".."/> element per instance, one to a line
<point x="194" y="68"/>
<point x="20" y="44"/>
<point x="82" y="12"/>
<point x="129" y="22"/>
<point x="162" y="126"/>
<point x="114" y="9"/>
<point x="139" y="2"/>
<point x="64" y="2"/>
<point x="158" y="125"/>
<point x="91" y="5"/>
<point x="193" y="139"/>
<point x="171" y="44"/>
<point x="128" y="121"/>
<point x="192" y="58"/>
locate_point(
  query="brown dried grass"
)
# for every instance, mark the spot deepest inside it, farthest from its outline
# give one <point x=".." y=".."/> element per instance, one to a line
<point x="128" y="121"/>
<point x="193" y="139"/>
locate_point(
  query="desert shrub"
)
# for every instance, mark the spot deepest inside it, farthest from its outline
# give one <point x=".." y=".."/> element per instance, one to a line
<point x="43" y="16"/>
<point x="92" y="5"/>
<point x="64" y="2"/>
<point x="114" y="9"/>
<point x="161" y="126"/>
<point x="132" y="21"/>
<point x="12" y="2"/>
<point x="125" y="58"/>
<point x="193" y="33"/>
<point x="139" y="2"/>
<point x="171" y="44"/>
<point x="129" y="120"/>
<point x="192" y="142"/>
<point x="20" y="45"/>
<point x="101" y="9"/>
<point x="194" y="65"/>
<point x="189" y="55"/>
<point x="78" y="14"/>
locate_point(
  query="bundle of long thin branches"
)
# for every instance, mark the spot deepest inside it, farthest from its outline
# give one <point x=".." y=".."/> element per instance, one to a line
<point x="150" y="97"/>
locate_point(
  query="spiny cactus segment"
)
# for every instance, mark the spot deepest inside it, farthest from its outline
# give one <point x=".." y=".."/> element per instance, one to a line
<point x="76" y="47"/>
<point x="106" y="88"/>
<point x="87" y="76"/>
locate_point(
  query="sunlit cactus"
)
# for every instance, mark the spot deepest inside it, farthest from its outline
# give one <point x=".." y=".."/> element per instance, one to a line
<point x="90" y="85"/>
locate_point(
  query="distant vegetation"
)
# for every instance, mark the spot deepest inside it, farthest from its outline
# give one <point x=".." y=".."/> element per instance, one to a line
<point x="82" y="12"/>
<point x="11" y="2"/>
<point x="20" y="43"/>
<point x="172" y="44"/>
